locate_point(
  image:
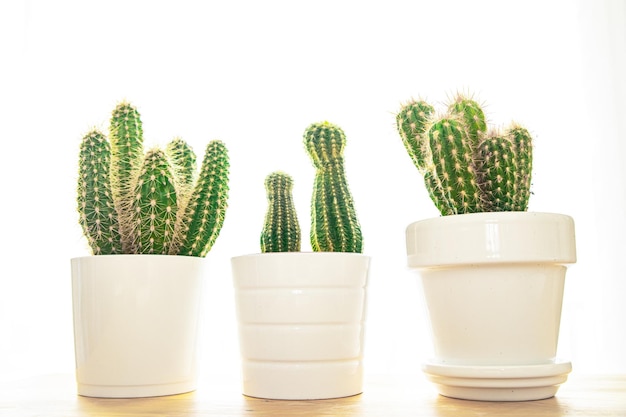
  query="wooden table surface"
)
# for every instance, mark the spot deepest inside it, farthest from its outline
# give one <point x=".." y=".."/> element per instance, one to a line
<point x="384" y="396"/>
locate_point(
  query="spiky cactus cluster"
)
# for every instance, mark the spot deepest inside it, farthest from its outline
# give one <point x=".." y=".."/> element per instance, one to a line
<point x="466" y="167"/>
<point x="149" y="203"/>
<point x="334" y="223"/>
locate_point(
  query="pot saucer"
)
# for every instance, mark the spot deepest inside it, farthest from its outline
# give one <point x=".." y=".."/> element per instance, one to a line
<point x="498" y="383"/>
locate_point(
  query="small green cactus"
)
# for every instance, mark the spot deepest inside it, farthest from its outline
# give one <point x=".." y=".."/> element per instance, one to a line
<point x="281" y="230"/>
<point x="98" y="216"/>
<point x="204" y="214"/>
<point x="334" y="223"/>
<point x="466" y="168"/>
<point x="151" y="204"/>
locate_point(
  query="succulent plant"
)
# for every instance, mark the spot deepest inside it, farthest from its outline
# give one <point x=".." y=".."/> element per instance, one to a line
<point x="466" y="167"/>
<point x="281" y="229"/>
<point x="152" y="203"/>
<point x="334" y="223"/>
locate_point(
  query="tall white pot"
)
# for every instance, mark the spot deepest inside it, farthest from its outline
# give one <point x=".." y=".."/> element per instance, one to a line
<point x="301" y="323"/>
<point x="493" y="287"/>
<point x="136" y="324"/>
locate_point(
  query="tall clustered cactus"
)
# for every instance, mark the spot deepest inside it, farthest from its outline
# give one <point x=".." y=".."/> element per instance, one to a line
<point x="134" y="203"/>
<point x="467" y="168"/>
<point x="334" y="223"/>
<point x="281" y="229"/>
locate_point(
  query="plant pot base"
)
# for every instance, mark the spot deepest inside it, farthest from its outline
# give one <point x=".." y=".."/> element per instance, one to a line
<point x="498" y="383"/>
<point x="136" y="391"/>
<point x="303" y="380"/>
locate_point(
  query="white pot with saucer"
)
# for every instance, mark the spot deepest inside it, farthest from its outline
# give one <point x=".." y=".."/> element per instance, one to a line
<point x="493" y="287"/>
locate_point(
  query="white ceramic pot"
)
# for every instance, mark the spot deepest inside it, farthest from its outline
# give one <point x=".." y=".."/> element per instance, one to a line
<point x="493" y="287"/>
<point x="301" y="323"/>
<point x="136" y="324"/>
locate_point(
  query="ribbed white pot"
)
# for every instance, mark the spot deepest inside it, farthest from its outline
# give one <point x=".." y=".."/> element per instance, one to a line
<point x="493" y="287"/>
<point x="301" y="323"/>
<point x="136" y="324"/>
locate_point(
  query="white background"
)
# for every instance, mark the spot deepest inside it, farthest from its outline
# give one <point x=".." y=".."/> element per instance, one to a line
<point x="255" y="75"/>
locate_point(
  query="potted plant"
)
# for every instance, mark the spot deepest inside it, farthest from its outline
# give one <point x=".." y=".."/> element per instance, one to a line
<point x="136" y="306"/>
<point x="302" y="314"/>
<point x="492" y="273"/>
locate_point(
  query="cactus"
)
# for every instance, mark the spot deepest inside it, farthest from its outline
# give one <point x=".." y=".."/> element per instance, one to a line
<point x="523" y="147"/>
<point x="334" y="223"/>
<point x="467" y="168"/>
<point x="98" y="216"/>
<point x="129" y="202"/>
<point x="126" y="136"/>
<point x="281" y="229"/>
<point x="454" y="167"/>
<point x="204" y="214"/>
<point x="411" y="124"/>
<point x="153" y="210"/>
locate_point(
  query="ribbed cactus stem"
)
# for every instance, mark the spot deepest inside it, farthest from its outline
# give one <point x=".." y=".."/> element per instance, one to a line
<point x="334" y="223"/>
<point x="153" y="210"/>
<point x="472" y="115"/>
<point x="98" y="217"/>
<point x="453" y="164"/>
<point x="411" y="123"/>
<point x="204" y="214"/>
<point x="496" y="165"/>
<point x="281" y="229"/>
<point x="522" y="145"/>
<point x="126" y="136"/>
<point x="183" y="161"/>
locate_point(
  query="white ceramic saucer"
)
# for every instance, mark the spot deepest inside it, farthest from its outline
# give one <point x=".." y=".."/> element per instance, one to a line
<point x="498" y="383"/>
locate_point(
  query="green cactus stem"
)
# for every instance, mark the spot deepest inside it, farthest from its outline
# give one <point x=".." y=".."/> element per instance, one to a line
<point x="153" y="210"/>
<point x="127" y="154"/>
<point x="204" y="214"/>
<point x="496" y="167"/>
<point x="183" y="161"/>
<point x="334" y="223"/>
<point x="454" y="167"/>
<point x="472" y="115"/>
<point x="522" y="145"/>
<point x="96" y="208"/>
<point x="281" y="229"/>
<point x="411" y="124"/>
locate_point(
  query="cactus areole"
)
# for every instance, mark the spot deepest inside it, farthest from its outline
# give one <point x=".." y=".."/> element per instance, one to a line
<point x="136" y="202"/>
<point x="334" y="223"/>
<point x="466" y="167"/>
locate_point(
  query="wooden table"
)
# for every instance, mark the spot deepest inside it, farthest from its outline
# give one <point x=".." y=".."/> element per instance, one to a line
<point x="384" y="396"/>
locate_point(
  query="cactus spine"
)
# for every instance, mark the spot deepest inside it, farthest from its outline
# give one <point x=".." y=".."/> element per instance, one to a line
<point x="150" y="203"/>
<point x="467" y="168"/>
<point x="334" y="223"/>
<point x="281" y="229"/>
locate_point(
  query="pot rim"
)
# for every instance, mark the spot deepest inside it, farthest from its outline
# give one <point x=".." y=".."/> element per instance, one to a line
<point x="300" y="253"/>
<point x="491" y="238"/>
